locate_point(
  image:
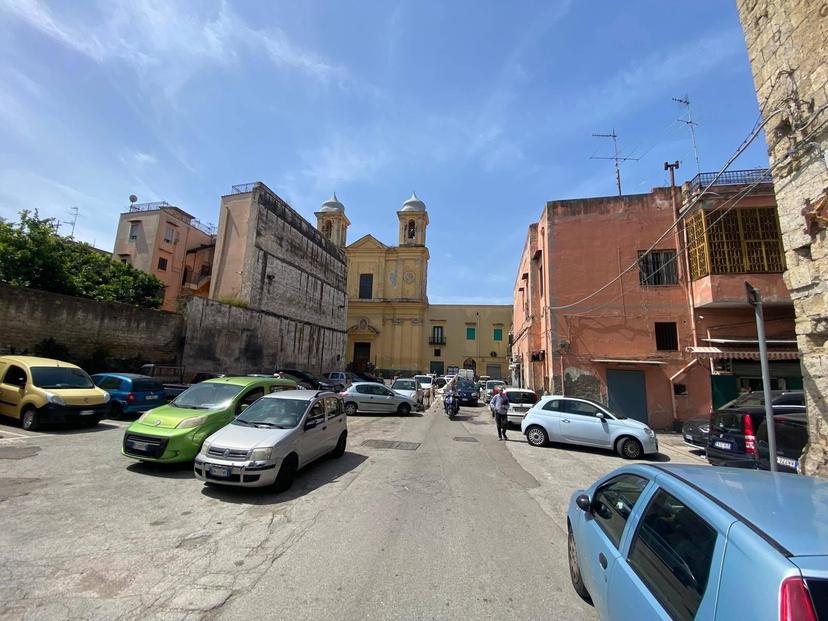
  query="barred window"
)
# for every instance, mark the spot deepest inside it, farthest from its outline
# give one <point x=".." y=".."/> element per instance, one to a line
<point x="657" y="267"/>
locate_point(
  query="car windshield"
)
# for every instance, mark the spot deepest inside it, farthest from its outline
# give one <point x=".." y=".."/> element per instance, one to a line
<point x="522" y="397"/>
<point x="274" y="412"/>
<point x="423" y="379"/>
<point x="207" y="395"/>
<point x="464" y="385"/>
<point x="492" y="384"/>
<point x="60" y="377"/>
<point x="404" y="385"/>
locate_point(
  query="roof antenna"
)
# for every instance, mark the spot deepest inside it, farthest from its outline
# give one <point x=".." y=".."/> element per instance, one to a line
<point x="685" y="101"/>
<point x="615" y="157"/>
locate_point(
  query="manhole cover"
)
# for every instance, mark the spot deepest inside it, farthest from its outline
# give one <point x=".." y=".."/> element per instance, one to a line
<point x="465" y="439"/>
<point x="392" y="444"/>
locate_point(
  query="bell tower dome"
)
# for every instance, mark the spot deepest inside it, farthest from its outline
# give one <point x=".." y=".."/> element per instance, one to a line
<point x="413" y="222"/>
<point x="332" y="221"/>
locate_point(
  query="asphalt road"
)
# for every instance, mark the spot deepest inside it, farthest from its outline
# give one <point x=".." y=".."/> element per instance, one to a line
<point x="453" y="525"/>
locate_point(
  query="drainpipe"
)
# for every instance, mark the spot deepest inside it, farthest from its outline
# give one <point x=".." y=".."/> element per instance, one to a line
<point x="681" y="237"/>
<point x="673" y="378"/>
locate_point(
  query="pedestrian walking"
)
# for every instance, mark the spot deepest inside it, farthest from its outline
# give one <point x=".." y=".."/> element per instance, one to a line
<point x="500" y="405"/>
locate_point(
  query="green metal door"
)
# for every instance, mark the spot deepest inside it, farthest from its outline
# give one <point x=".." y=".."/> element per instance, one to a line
<point x="627" y="394"/>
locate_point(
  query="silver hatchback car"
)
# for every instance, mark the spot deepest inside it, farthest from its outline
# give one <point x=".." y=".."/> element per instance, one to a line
<point x="373" y="397"/>
<point x="273" y="438"/>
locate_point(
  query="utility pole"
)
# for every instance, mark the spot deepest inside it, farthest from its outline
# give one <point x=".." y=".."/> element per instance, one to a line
<point x="754" y="298"/>
<point x="685" y="101"/>
<point x="615" y="157"/>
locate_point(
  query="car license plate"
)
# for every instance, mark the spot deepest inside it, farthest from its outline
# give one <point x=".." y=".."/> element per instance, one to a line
<point x="723" y="445"/>
<point x="87" y="412"/>
<point x="138" y="446"/>
<point x="151" y="397"/>
<point x="218" y="472"/>
<point x="786" y="461"/>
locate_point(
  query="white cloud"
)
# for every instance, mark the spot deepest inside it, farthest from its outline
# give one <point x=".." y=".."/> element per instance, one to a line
<point x="137" y="159"/>
<point x="341" y="161"/>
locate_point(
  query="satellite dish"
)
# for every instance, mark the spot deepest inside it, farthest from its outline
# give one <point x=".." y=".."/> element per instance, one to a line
<point x="132" y="198"/>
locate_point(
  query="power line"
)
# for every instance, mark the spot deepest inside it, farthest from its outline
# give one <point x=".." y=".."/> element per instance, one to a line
<point x="691" y="124"/>
<point x="616" y="158"/>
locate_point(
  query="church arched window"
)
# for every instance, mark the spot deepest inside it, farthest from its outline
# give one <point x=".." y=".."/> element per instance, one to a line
<point x="327" y="229"/>
<point x="411" y="232"/>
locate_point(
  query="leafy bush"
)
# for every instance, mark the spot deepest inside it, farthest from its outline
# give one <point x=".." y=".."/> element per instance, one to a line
<point x="32" y="254"/>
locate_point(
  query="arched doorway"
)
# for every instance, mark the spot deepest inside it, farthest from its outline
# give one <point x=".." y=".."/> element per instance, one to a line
<point x="469" y="363"/>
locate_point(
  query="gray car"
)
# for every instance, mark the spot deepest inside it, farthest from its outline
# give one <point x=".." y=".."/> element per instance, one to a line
<point x="273" y="438"/>
<point x="375" y="398"/>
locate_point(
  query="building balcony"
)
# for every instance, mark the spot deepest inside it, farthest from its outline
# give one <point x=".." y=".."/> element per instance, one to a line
<point x="728" y="290"/>
<point x="437" y="340"/>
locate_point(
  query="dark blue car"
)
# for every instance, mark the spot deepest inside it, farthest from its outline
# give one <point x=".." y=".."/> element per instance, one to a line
<point x="467" y="393"/>
<point x="131" y="393"/>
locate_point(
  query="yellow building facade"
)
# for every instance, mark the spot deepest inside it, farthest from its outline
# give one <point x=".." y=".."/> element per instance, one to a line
<point x="391" y="326"/>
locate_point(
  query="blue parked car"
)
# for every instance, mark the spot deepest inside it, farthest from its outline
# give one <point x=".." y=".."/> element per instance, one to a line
<point x="696" y="542"/>
<point x="131" y="393"/>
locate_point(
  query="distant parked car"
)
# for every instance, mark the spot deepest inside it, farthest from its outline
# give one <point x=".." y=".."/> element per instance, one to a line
<point x="373" y="397"/>
<point x="791" y="438"/>
<point x="732" y="438"/>
<point x="521" y="401"/>
<point x="131" y="393"/>
<point x="581" y="421"/>
<point x="490" y="386"/>
<point x="273" y="438"/>
<point x="408" y="388"/>
<point x="340" y="379"/>
<point x="657" y="542"/>
<point x="695" y="430"/>
<point x="426" y="382"/>
<point x="174" y="432"/>
<point x="37" y="391"/>
<point x="314" y="382"/>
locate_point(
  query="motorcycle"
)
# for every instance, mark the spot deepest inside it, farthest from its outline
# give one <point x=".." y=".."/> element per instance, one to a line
<point x="451" y="404"/>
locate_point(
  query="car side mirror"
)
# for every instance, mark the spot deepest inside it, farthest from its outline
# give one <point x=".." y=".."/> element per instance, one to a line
<point x="311" y="423"/>
<point x="600" y="415"/>
<point x="243" y="407"/>
<point x="584" y="503"/>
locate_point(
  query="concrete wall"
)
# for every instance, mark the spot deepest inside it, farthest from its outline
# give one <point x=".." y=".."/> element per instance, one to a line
<point x="229" y="339"/>
<point x="28" y="316"/>
<point x="789" y="59"/>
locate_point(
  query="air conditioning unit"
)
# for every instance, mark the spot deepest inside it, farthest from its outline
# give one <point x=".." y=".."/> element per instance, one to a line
<point x="722" y="366"/>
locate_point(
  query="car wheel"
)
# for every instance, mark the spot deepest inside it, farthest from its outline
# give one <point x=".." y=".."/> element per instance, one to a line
<point x="287" y="473"/>
<point x="404" y="409"/>
<point x="537" y="436"/>
<point x="29" y="420"/>
<point x="116" y="412"/>
<point x="339" y="450"/>
<point x="630" y="448"/>
<point x="575" y="570"/>
<point x="350" y="409"/>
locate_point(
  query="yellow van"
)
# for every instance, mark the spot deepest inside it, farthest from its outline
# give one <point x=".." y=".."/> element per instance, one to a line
<point x="40" y="390"/>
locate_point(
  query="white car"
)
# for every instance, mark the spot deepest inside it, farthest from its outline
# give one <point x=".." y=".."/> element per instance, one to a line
<point x="408" y="387"/>
<point x="521" y="401"/>
<point x="570" y="420"/>
<point x="490" y="385"/>
<point x="273" y="438"/>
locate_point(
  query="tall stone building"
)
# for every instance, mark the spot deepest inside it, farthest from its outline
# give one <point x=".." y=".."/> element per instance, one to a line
<point x="786" y="41"/>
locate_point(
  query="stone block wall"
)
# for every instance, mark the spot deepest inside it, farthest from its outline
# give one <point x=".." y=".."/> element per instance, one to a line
<point x="786" y="41"/>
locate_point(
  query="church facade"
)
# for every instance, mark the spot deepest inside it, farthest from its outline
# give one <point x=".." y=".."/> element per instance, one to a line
<point x="390" y="324"/>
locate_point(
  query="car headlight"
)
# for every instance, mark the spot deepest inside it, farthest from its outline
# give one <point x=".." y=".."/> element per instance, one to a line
<point x="205" y="446"/>
<point x="261" y="454"/>
<point x="649" y="432"/>
<point x="107" y="397"/>
<point x="55" y="399"/>
<point x="195" y="421"/>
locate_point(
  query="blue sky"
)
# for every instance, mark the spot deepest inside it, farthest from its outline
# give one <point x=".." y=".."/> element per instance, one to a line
<point x="486" y="109"/>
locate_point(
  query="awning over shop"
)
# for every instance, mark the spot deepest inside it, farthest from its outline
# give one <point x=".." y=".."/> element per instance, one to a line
<point x="624" y="361"/>
<point x="718" y="353"/>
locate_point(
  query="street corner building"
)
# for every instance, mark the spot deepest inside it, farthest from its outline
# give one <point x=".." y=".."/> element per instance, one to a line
<point x="391" y="327"/>
<point x="615" y="304"/>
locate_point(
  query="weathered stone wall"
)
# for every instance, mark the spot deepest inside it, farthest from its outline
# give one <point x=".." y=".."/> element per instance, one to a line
<point x="228" y="339"/>
<point x="29" y="316"/>
<point x="786" y="42"/>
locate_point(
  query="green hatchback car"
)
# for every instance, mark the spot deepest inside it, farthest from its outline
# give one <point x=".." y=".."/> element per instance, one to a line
<point x="175" y="431"/>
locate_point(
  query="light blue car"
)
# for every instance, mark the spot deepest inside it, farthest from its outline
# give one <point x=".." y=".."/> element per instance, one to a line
<point x="571" y="420"/>
<point x="651" y="542"/>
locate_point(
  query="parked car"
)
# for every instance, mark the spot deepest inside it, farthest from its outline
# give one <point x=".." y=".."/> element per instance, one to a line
<point x="732" y="438"/>
<point x="340" y="379"/>
<point x="756" y="398"/>
<point x="656" y="542"/>
<point x="272" y="439"/>
<point x="37" y="391"/>
<point x="174" y="432"/>
<point x="581" y="421"/>
<point x="426" y="382"/>
<point x="408" y="387"/>
<point x="791" y="438"/>
<point x="372" y="397"/>
<point x="521" y="401"/>
<point x="467" y="394"/>
<point x="490" y="386"/>
<point x="314" y="382"/>
<point x="130" y="393"/>
<point x="695" y="430"/>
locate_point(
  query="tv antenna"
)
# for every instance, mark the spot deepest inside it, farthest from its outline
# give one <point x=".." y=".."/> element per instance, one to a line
<point x="74" y="211"/>
<point x="685" y="101"/>
<point x="616" y="158"/>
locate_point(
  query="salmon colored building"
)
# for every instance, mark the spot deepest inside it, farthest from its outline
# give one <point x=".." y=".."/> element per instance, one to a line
<point x="659" y="335"/>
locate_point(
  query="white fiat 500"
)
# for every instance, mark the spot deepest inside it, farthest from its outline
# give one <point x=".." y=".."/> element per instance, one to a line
<point x="581" y="421"/>
<point x="273" y="438"/>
